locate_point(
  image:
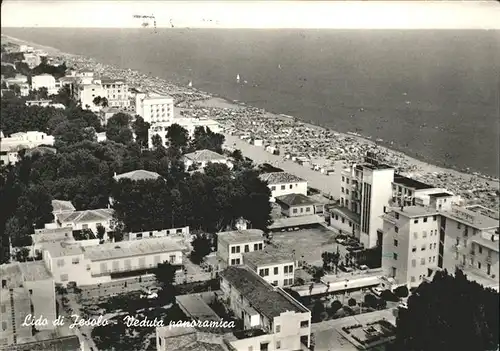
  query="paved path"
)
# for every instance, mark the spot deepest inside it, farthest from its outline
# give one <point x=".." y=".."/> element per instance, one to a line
<point x="315" y="179"/>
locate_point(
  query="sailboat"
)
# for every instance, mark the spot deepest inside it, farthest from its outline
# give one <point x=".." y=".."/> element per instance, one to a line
<point x="237" y="78"/>
<point x="190" y="84"/>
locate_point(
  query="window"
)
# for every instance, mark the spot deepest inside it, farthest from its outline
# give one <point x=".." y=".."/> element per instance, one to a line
<point x="276" y="270"/>
<point x="301" y="210"/>
<point x="396" y="229"/>
<point x="308" y="209"/>
<point x="397" y="215"/>
<point x="434" y="218"/>
<point x="294" y="210"/>
<point x="459" y="225"/>
<point x="395" y="256"/>
<point x="343" y="178"/>
<point x="347" y="191"/>
<point x="304" y="324"/>
<point x="347" y="203"/>
<point x="75" y="260"/>
<point x="412" y="279"/>
<point x="423" y="247"/>
<point x="233" y="262"/>
<point x="278" y="344"/>
<point x="278" y="328"/>
<point x="430" y="259"/>
<point x="342" y="190"/>
<point x="343" y="220"/>
<point x="433" y="258"/>
<point x="414" y="263"/>
<point x="60" y="262"/>
<point x="85" y="226"/>
<point x="171" y="259"/>
<point x="480" y="248"/>
<point x="4" y="326"/>
<point x="264" y="272"/>
<point x="424" y="234"/>
<point x="488" y="269"/>
<point x="247" y="249"/>
<point x="283" y="187"/>
<point x="273" y="188"/>
<point x="395" y="242"/>
<point x="347" y="180"/>
<point x="414" y="249"/>
<point x="291" y="186"/>
<point x="425" y="219"/>
<point x="415" y="221"/>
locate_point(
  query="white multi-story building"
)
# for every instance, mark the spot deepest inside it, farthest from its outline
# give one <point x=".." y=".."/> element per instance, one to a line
<point x="190" y="124"/>
<point x="232" y="245"/>
<point x="87" y="219"/>
<point x="410" y="245"/>
<point x="27" y="288"/>
<point x="98" y="263"/>
<point x="32" y="59"/>
<point x="277" y="267"/>
<point x="154" y="109"/>
<point x="283" y="183"/>
<point x="116" y="92"/>
<point x="284" y="322"/>
<point x="366" y="190"/>
<point x="86" y="93"/>
<point x="45" y="81"/>
<point x="442" y="236"/>
<point x="199" y="159"/>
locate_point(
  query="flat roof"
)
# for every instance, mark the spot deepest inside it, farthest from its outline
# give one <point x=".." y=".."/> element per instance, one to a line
<point x="295" y="221"/>
<point x="471" y="218"/>
<point x="63" y="248"/>
<point x="204" y="155"/>
<point x="347" y="213"/>
<point x="410" y="183"/>
<point x="124" y="249"/>
<point x="139" y="174"/>
<point x="492" y="245"/>
<point x="442" y="194"/>
<point x="65" y="343"/>
<point x="268" y="256"/>
<point x="158" y="97"/>
<point x="197" y="308"/>
<point x="261" y="295"/>
<point x="17" y="272"/>
<point x="241" y="236"/>
<point x="415" y="211"/>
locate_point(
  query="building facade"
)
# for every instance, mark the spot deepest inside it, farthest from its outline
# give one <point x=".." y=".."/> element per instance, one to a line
<point x="277" y="267"/>
<point x="283" y="183"/>
<point x="116" y="91"/>
<point x="199" y="159"/>
<point x="232" y="245"/>
<point x="293" y="205"/>
<point x="45" y="81"/>
<point x="154" y="109"/>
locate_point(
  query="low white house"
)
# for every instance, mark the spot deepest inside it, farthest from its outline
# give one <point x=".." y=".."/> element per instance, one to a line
<point x="89" y="219"/>
<point x="233" y="244"/>
<point x="10" y="146"/>
<point x="199" y="159"/>
<point x="283" y="183"/>
<point x="45" y="81"/>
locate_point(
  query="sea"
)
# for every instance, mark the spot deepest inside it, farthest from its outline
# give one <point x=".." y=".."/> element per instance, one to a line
<point x="432" y="94"/>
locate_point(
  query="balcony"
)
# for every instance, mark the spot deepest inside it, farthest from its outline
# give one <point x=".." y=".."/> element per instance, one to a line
<point x="472" y="253"/>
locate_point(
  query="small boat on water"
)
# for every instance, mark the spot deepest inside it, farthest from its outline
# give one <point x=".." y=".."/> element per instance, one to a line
<point x="237" y="78"/>
<point x="190" y="84"/>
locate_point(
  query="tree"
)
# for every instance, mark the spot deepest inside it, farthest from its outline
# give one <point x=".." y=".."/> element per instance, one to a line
<point x="141" y="130"/>
<point x="450" y="313"/>
<point x="352" y="302"/>
<point x="118" y="128"/>
<point x="100" y="232"/>
<point x="165" y="275"/>
<point x="22" y="254"/>
<point x="201" y="248"/>
<point x="317" y="310"/>
<point x="204" y="138"/>
<point x="336" y="305"/>
<point x="177" y="136"/>
<point x="8" y="71"/>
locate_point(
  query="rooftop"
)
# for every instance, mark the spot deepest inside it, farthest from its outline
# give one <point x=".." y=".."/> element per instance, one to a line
<point x="102" y="214"/>
<point x="201" y="343"/>
<point x="241" y="236"/>
<point x="139" y="174"/>
<point x="61" y="205"/>
<point x="442" y="194"/>
<point x="196" y="308"/>
<point x="262" y="296"/>
<point x="17" y="272"/>
<point x="62" y="248"/>
<point x="130" y="248"/>
<point x="204" y="156"/>
<point x="295" y="200"/>
<point x="67" y="343"/>
<point x="268" y="256"/>
<point x="112" y="81"/>
<point x="490" y="244"/>
<point x="347" y="213"/>
<point x="410" y="183"/>
<point x="280" y="178"/>
<point x="471" y="218"/>
<point x="415" y="211"/>
<point x="158" y="97"/>
<point x="373" y="166"/>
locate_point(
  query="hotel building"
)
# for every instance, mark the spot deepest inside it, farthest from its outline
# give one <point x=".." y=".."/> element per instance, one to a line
<point x="277" y="267"/>
<point x="190" y="124"/>
<point x="366" y="190"/>
<point x="116" y="92"/>
<point x="283" y="183"/>
<point x="10" y="146"/>
<point x="154" y="109"/>
<point x="45" y="81"/>
<point x="285" y="324"/>
<point x="232" y="245"/>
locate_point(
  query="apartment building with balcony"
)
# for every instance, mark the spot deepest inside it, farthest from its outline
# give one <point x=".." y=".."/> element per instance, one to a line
<point x="105" y="262"/>
<point x="233" y="244"/>
<point x="283" y="183"/>
<point x="411" y="243"/>
<point x="45" y="81"/>
<point x="283" y="322"/>
<point x="275" y="266"/>
<point x="86" y="93"/>
<point x="27" y="288"/>
<point x="366" y="190"/>
<point x="116" y="91"/>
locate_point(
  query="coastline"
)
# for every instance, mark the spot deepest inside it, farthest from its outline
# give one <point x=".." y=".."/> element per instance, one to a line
<point x="457" y="179"/>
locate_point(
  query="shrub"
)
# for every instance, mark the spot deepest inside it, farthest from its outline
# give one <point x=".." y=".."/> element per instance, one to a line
<point x="371" y="301"/>
<point x="352" y="302"/>
<point x="336" y="305"/>
<point x="401" y="291"/>
<point x="388" y="295"/>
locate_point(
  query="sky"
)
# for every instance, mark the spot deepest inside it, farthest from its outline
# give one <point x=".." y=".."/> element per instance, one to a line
<point x="254" y="14"/>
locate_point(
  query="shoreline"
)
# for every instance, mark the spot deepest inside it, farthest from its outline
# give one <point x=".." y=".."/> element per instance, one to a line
<point x="458" y="183"/>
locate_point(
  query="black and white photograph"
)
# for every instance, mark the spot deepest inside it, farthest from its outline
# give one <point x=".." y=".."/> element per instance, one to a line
<point x="249" y="175"/>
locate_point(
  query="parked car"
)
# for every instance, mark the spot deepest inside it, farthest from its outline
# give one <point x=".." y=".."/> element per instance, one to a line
<point x="376" y="291"/>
